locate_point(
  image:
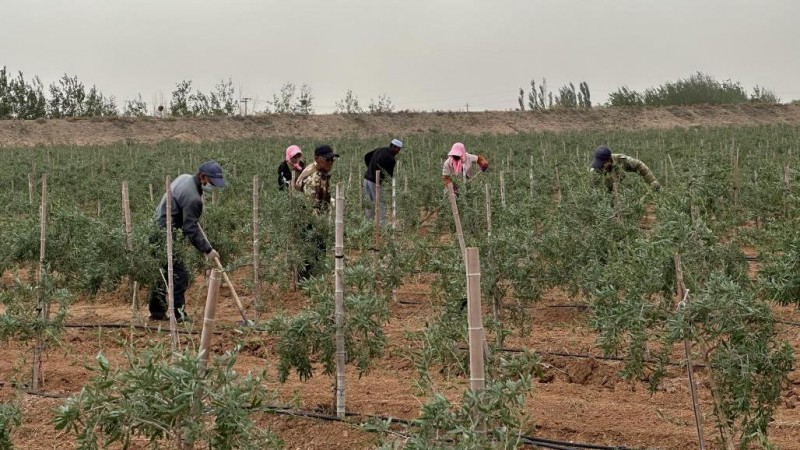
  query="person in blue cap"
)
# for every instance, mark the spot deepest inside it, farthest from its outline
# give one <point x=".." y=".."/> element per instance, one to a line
<point x="187" y="207"/>
<point x="613" y="166"/>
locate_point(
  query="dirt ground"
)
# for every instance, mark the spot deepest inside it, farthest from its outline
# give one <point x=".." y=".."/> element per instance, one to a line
<point x="580" y="399"/>
<point x="103" y="131"/>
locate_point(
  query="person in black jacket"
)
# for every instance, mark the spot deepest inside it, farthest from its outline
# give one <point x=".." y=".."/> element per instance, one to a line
<point x="292" y="163"/>
<point x="382" y="159"/>
<point x="187" y="207"/>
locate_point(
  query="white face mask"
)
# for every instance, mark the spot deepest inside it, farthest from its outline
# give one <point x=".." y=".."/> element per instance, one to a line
<point x="208" y="187"/>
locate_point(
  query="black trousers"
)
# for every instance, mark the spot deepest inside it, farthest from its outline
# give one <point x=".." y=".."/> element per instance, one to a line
<point x="180" y="279"/>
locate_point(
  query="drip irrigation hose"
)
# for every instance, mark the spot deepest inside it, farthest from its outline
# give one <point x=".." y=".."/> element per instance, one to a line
<point x="123" y="325"/>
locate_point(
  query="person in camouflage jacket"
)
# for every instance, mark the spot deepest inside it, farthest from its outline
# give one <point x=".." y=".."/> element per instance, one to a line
<point x="613" y="166"/>
<point x="314" y="182"/>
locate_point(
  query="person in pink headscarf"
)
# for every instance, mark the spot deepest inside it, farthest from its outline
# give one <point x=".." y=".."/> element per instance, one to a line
<point x="293" y="163"/>
<point x="461" y="165"/>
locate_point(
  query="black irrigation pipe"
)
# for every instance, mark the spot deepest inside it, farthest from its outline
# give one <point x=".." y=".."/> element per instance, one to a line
<point x="530" y="440"/>
<point x="582" y="356"/>
<point x="138" y="327"/>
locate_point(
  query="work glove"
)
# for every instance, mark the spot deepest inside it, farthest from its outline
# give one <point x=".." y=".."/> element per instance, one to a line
<point x="655" y="186"/>
<point x="212" y="255"/>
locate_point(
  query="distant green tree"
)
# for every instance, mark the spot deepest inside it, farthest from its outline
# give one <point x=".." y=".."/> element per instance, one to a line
<point x="135" y="108"/>
<point x="567" y="97"/>
<point x="27" y="99"/>
<point x="181" y="96"/>
<point x="584" y="96"/>
<point x="349" y="104"/>
<point x="521" y="99"/>
<point x="5" y="98"/>
<point x="305" y="100"/>
<point x="282" y="103"/>
<point x="533" y="100"/>
<point x="625" y="97"/>
<point x="222" y="100"/>
<point x="383" y="105"/>
<point x="764" y="95"/>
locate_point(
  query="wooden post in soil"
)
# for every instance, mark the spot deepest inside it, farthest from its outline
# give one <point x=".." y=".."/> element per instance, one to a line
<point x="173" y="325"/>
<point x="488" y="211"/>
<point x="530" y="176"/>
<point x="30" y="188"/>
<point x="502" y="190"/>
<point x="735" y="174"/>
<point x="682" y="294"/>
<point x="126" y="215"/>
<point x="203" y="354"/>
<point x="477" y="377"/>
<point x="151" y="192"/>
<point x="214" y="282"/>
<point x="44" y="302"/>
<point x="339" y="303"/>
<point x="377" y="227"/>
<point x="256" y="277"/>
<point x="394" y="222"/>
<point x="290" y="242"/>
<point x="787" y="191"/>
<point x="457" y="219"/>
<point x="558" y="187"/>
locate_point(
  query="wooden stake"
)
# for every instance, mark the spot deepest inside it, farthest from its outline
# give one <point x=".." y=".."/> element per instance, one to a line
<point x="151" y="192"/>
<point x="256" y="277"/>
<point x="126" y="215"/>
<point x="681" y="297"/>
<point x="173" y="324"/>
<point x="787" y="191"/>
<point x="30" y="188"/>
<point x="477" y="377"/>
<point x="208" y="319"/>
<point x="457" y="219"/>
<point x="502" y="190"/>
<point x="488" y="211"/>
<point x="341" y="356"/>
<point x="394" y="204"/>
<point x="558" y="187"/>
<point x="735" y="175"/>
<point x="530" y="176"/>
<point x="44" y="302"/>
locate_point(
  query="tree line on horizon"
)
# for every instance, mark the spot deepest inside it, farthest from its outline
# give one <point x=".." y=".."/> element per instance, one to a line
<point x="69" y="97"/>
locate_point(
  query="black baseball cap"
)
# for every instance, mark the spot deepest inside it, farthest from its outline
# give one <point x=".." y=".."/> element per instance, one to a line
<point x="325" y="151"/>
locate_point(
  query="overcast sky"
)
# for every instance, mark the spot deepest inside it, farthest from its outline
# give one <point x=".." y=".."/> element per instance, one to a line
<point x="424" y="54"/>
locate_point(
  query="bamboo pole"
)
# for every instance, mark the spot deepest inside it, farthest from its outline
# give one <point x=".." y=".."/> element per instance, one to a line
<point x="173" y="325"/>
<point x="341" y="356"/>
<point x="682" y="295"/>
<point x="208" y="319"/>
<point x="30" y="188"/>
<point x="787" y="191"/>
<point x="530" y="176"/>
<point x="256" y="277"/>
<point x="457" y="219"/>
<point x="126" y="215"/>
<point x="394" y="204"/>
<point x="488" y="211"/>
<point x="502" y="189"/>
<point x="289" y="242"/>
<point x="558" y="187"/>
<point x="44" y="302"/>
<point x="377" y="209"/>
<point x="477" y="377"/>
<point x="735" y="186"/>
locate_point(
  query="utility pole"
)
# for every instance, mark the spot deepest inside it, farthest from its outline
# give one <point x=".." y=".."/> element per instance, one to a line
<point x="467" y="106"/>
<point x="245" y="100"/>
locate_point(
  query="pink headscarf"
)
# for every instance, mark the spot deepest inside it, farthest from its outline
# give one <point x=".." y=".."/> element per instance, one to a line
<point x="457" y="150"/>
<point x="291" y="151"/>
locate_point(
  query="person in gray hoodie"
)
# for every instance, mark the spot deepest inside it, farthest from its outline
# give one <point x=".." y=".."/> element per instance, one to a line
<point x="187" y="207"/>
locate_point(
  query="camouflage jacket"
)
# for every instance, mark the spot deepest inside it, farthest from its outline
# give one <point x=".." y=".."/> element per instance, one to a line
<point x="624" y="163"/>
<point x="315" y="186"/>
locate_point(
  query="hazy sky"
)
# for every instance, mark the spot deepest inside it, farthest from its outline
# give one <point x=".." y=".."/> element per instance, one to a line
<point x="424" y="54"/>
